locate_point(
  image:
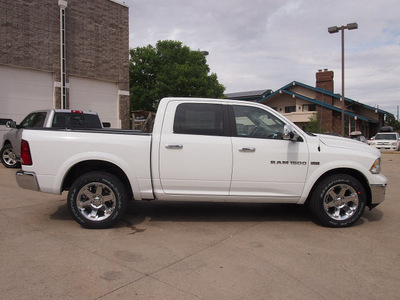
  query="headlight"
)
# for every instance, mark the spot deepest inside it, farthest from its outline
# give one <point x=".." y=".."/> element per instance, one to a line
<point x="376" y="167"/>
<point x="394" y="143"/>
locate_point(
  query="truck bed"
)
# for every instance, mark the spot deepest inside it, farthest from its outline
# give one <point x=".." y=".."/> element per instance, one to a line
<point x="55" y="152"/>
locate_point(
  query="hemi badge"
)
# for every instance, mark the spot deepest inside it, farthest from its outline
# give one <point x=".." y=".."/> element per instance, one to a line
<point x="315" y="163"/>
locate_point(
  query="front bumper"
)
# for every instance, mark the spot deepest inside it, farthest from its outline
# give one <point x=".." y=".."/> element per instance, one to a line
<point x="378" y="192"/>
<point x="389" y="148"/>
<point x="27" y="180"/>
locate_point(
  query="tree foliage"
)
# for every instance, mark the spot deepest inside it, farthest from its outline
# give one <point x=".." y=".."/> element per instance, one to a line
<point x="314" y="125"/>
<point x="169" y="70"/>
<point x="391" y="121"/>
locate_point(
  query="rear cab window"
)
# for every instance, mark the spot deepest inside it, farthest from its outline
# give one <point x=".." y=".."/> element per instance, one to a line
<point x="76" y="120"/>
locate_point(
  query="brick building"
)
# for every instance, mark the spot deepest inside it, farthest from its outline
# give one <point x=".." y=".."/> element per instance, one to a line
<point x="64" y="54"/>
<point x="299" y="102"/>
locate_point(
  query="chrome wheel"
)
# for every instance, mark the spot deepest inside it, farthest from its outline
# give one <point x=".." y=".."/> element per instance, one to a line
<point x="8" y="157"/>
<point x="96" y="201"/>
<point x="341" y="202"/>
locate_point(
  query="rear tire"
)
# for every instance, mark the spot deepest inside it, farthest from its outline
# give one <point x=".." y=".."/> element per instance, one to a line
<point x="8" y="158"/>
<point x="97" y="200"/>
<point x="338" y="201"/>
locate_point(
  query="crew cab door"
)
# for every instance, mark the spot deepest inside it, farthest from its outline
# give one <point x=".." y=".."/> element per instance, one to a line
<point x="265" y="166"/>
<point x="195" y="151"/>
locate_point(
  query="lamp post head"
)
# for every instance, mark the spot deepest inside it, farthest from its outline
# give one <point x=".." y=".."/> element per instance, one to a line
<point x="352" y="26"/>
<point x="349" y="26"/>
<point x="333" y="29"/>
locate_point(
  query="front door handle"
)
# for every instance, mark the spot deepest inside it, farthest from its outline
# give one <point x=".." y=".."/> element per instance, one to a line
<point x="247" y="149"/>
<point x="174" y="146"/>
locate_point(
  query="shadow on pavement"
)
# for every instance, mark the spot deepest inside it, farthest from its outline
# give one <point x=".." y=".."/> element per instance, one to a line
<point x="215" y="212"/>
<point x="160" y="211"/>
<point x="61" y="213"/>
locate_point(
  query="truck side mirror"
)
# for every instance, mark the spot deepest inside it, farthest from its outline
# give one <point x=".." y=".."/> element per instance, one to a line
<point x="289" y="133"/>
<point x="11" y="124"/>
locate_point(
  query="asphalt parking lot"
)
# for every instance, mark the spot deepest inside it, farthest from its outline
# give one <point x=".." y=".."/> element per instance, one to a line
<point x="196" y="250"/>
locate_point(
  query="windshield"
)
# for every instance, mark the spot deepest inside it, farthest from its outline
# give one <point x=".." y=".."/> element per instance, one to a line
<point x="391" y="137"/>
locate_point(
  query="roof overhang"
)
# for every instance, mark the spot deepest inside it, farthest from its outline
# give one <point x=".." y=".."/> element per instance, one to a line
<point x="318" y="102"/>
<point x="325" y="92"/>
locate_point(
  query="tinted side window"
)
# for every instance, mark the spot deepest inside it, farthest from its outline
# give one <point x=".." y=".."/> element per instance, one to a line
<point x="34" y="120"/>
<point x="257" y="123"/>
<point x="199" y="118"/>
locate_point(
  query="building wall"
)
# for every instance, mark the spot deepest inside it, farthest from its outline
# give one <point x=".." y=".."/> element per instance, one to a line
<point x="29" y="34"/>
<point x="98" y="40"/>
<point x="97" y="44"/>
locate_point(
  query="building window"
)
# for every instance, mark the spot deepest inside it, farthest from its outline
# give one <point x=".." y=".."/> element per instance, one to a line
<point x="290" y="109"/>
<point x="349" y="125"/>
<point x="309" y="107"/>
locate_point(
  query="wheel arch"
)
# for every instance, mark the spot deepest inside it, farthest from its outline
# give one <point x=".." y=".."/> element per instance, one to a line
<point x="85" y="167"/>
<point x="348" y="171"/>
<point x="6" y="142"/>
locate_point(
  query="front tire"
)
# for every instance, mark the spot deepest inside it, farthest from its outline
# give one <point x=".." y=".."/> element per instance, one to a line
<point x="8" y="157"/>
<point x="97" y="200"/>
<point x="338" y="201"/>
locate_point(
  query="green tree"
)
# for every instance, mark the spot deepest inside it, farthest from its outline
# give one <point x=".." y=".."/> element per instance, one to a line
<point x="169" y="70"/>
<point x="391" y="121"/>
<point x="315" y="125"/>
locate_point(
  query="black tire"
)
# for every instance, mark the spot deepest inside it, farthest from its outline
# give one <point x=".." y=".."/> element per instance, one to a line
<point x="97" y="200"/>
<point x="8" y="158"/>
<point x="338" y="201"/>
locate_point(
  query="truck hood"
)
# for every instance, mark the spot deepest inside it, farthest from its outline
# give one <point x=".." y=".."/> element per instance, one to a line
<point x="341" y="142"/>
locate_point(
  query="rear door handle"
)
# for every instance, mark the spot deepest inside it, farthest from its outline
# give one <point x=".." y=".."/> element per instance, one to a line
<point x="174" y="146"/>
<point x="247" y="149"/>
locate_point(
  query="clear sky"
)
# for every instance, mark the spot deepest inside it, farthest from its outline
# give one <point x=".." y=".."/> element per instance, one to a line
<point x="261" y="44"/>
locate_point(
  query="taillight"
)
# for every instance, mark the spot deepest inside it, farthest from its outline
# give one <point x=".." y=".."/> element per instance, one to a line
<point x="26" y="158"/>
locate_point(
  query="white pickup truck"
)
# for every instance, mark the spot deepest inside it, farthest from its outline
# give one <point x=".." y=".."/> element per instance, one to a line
<point x="203" y="150"/>
<point x="46" y="118"/>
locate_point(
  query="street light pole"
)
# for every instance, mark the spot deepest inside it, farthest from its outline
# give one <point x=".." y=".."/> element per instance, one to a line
<point x="335" y="29"/>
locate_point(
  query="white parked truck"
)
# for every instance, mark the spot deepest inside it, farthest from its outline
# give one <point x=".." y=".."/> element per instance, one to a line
<point x="386" y="141"/>
<point x="46" y="118"/>
<point x="203" y="150"/>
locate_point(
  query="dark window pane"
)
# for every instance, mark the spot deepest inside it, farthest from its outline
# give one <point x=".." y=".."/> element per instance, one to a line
<point x="198" y="118"/>
<point x="290" y="109"/>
